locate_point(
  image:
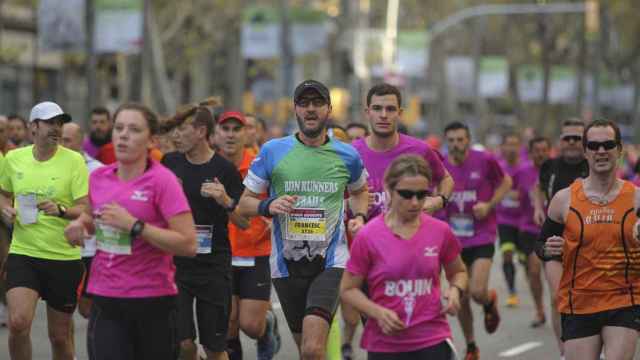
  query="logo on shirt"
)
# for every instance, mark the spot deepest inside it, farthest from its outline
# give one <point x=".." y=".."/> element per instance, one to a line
<point x="431" y="251"/>
<point x="474" y="175"/>
<point x="19" y="175"/>
<point x="600" y="216"/>
<point x="402" y="288"/>
<point x="140" y="195"/>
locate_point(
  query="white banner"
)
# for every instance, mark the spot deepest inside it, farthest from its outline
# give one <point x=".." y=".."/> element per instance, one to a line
<point x="61" y="25"/>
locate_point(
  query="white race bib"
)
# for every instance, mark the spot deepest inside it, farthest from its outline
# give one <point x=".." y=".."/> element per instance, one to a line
<point x="204" y="234"/>
<point x="27" y="208"/>
<point x="306" y="224"/>
<point x="462" y="225"/>
<point x="112" y="240"/>
<point x="243" y="261"/>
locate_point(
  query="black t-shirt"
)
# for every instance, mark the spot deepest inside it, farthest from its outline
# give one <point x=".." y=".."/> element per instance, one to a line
<point x="206" y="211"/>
<point x="557" y="174"/>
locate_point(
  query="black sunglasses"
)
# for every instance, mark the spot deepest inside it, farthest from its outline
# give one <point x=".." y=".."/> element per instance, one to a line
<point x="317" y="102"/>
<point x="607" y="145"/>
<point x="409" y="194"/>
<point x="568" y="138"/>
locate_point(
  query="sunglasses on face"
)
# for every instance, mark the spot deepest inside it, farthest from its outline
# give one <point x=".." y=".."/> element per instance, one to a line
<point x="409" y="194"/>
<point x="569" y="138"/>
<point x="607" y="145"/>
<point x="317" y="102"/>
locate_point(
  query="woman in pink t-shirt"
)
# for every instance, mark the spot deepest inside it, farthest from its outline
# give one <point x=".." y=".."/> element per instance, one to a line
<point x="141" y="218"/>
<point x="399" y="254"/>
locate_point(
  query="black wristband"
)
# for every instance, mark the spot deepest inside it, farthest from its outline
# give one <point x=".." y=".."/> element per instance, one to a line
<point x="445" y="201"/>
<point x="231" y="207"/>
<point x="363" y="215"/>
<point x="62" y="210"/>
<point x="136" y="229"/>
<point x="263" y="207"/>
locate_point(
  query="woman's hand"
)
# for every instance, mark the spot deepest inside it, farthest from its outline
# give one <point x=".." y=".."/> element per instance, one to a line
<point x="452" y="297"/>
<point x="389" y="321"/>
<point x="116" y="216"/>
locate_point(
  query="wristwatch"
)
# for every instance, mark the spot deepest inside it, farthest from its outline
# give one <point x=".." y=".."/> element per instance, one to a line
<point x="136" y="229"/>
<point x="445" y="201"/>
<point x="231" y="206"/>
<point x="62" y="210"/>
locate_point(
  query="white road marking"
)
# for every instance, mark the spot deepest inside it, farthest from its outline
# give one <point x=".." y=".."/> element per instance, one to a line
<point x="520" y="349"/>
<point x="276" y="305"/>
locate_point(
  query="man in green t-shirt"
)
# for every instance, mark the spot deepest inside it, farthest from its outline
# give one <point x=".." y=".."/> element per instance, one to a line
<point x="42" y="187"/>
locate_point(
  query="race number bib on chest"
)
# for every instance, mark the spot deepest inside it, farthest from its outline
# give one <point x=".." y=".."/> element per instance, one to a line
<point x="204" y="234"/>
<point x="306" y="225"/>
<point x="112" y="240"/>
<point x="462" y="225"/>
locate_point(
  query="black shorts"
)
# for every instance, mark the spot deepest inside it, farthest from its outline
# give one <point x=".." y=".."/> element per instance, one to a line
<point x="580" y="326"/>
<point x="471" y="254"/>
<point x="309" y="290"/>
<point x="56" y="281"/>
<point x="508" y="236"/>
<point x="132" y="329"/>
<point x="85" y="278"/>
<point x="526" y="242"/>
<point x="213" y="307"/>
<point x="440" y="351"/>
<point x="253" y="282"/>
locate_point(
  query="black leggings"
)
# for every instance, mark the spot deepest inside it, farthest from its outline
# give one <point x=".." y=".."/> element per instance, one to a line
<point x="132" y="329"/>
<point x="440" y="351"/>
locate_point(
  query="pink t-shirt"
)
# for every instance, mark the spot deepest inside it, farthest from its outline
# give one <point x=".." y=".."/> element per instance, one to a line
<point x="154" y="197"/>
<point x="404" y="276"/>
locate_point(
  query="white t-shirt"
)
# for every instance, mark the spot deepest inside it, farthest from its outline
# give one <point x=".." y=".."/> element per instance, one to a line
<point x="89" y="249"/>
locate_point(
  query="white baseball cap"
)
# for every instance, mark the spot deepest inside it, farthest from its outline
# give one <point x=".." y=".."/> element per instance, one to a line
<point x="48" y="110"/>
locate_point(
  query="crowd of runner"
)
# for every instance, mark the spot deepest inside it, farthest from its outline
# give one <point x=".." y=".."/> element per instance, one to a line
<point x="168" y="235"/>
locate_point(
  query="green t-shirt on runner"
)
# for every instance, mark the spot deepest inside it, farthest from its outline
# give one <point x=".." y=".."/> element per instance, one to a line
<point x="62" y="179"/>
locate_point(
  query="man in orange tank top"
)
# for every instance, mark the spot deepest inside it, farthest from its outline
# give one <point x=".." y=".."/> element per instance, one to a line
<point x="592" y="225"/>
<point x="250" y="248"/>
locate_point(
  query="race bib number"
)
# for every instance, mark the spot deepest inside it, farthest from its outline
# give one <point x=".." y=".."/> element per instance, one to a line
<point x="112" y="240"/>
<point x="462" y="225"/>
<point x="511" y="201"/>
<point x="27" y="208"/>
<point x="306" y="225"/>
<point x="243" y="261"/>
<point x="204" y="234"/>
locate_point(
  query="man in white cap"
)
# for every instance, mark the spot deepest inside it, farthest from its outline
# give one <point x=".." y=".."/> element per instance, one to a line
<point x="42" y="187"/>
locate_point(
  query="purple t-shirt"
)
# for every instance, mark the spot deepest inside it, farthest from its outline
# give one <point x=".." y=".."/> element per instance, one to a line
<point x="508" y="210"/>
<point x="376" y="162"/>
<point x="523" y="181"/>
<point x="154" y="197"/>
<point x="475" y="181"/>
<point x="404" y="276"/>
<point x="90" y="148"/>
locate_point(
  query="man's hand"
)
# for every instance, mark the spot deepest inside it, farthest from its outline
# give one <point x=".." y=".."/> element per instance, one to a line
<point x="283" y="205"/>
<point x="481" y="210"/>
<point x="553" y="246"/>
<point x="354" y="225"/>
<point x="214" y="190"/>
<point x="48" y="207"/>
<point x="8" y="215"/>
<point x="76" y="233"/>
<point x="539" y="216"/>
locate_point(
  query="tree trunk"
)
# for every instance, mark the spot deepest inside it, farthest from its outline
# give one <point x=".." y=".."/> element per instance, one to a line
<point x="162" y="94"/>
<point x="515" y="93"/>
<point x="581" y="65"/>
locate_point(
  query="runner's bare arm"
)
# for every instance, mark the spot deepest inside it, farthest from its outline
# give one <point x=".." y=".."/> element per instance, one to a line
<point x="636" y="204"/>
<point x="445" y="187"/>
<point x="538" y="204"/>
<point x="559" y="206"/>
<point x="359" y="199"/>
<point x="458" y="278"/>
<point x="501" y="191"/>
<point x="248" y="205"/>
<point x="7" y="210"/>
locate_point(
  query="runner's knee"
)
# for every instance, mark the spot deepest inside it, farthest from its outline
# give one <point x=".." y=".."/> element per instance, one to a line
<point x="252" y="327"/>
<point x="187" y="345"/>
<point x="312" y="349"/>
<point x="20" y="325"/>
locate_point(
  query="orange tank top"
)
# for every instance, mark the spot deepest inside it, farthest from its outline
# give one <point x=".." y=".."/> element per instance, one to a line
<point x="256" y="239"/>
<point x="601" y="260"/>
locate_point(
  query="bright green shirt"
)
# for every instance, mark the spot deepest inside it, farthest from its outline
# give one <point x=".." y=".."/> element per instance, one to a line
<point x="62" y="179"/>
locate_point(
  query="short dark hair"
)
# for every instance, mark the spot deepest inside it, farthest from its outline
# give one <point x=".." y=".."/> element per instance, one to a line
<point x="457" y="125"/>
<point x="17" y="117"/>
<point x="258" y="119"/>
<point x="101" y="110"/>
<point x="147" y="113"/>
<point x="539" y="139"/>
<point x="359" y="126"/>
<point x="573" y="121"/>
<point x="510" y="135"/>
<point x="603" y="123"/>
<point x="384" y="89"/>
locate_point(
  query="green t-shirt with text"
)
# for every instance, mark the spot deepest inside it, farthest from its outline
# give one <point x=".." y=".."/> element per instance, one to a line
<point x="62" y="179"/>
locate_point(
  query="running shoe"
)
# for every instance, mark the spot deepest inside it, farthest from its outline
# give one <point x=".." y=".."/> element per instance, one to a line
<point x="491" y="315"/>
<point x="513" y="301"/>
<point x="269" y="343"/>
<point x="539" y="321"/>
<point x="347" y="352"/>
<point x="472" y="354"/>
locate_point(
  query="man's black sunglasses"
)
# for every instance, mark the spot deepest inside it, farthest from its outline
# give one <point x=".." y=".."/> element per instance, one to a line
<point x="607" y="145"/>
<point x="409" y="194"/>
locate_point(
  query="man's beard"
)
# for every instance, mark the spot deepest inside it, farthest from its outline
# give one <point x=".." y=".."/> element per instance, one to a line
<point x="99" y="141"/>
<point x="311" y="133"/>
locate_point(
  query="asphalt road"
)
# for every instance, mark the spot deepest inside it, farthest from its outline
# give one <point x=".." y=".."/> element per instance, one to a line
<point x="513" y="340"/>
